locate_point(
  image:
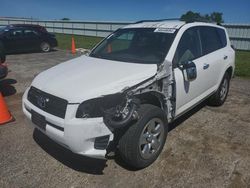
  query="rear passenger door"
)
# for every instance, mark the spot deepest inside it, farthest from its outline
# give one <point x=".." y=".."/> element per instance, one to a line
<point x="214" y="54"/>
<point x="32" y="39"/>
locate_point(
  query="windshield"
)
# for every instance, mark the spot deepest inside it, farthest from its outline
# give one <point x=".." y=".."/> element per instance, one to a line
<point x="135" y="45"/>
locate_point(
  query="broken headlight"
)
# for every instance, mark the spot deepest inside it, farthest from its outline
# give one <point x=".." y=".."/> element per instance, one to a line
<point x="96" y="107"/>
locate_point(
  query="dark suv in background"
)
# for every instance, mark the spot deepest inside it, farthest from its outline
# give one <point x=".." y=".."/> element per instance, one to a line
<point x="2" y="55"/>
<point x="25" y="38"/>
<point x="3" y="67"/>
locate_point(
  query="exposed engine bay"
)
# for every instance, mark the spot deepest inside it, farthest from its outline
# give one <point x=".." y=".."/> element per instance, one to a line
<point x="119" y="109"/>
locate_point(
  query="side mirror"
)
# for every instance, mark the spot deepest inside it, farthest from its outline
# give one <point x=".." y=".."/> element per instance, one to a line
<point x="189" y="70"/>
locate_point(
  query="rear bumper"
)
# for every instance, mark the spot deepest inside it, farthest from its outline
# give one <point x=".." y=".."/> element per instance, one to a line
<point x="81" y="136"/>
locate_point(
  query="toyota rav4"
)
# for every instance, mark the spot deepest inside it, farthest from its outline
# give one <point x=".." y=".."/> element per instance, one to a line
<point x="121" y="97"/>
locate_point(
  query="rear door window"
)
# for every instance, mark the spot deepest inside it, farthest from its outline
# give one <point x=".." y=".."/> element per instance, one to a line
<point x="210" y="39"/>
<point x="30" y="33"/>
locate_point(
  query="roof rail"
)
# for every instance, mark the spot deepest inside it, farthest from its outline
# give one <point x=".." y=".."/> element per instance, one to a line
<point x="179" y="19"/>
<point x="196" y="20"/>
<point x="160" y="20"/>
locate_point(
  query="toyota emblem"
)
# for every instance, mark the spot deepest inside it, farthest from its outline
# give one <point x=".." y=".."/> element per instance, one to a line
<point x="41" y="101"/>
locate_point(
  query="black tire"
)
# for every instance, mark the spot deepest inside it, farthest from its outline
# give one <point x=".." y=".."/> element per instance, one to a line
<point x="130" y="146"/>
<point x="2" y="53"/>
<point x="220" y="96"/>
<point x="45" y="47"/>
<point x="2" y="58"/>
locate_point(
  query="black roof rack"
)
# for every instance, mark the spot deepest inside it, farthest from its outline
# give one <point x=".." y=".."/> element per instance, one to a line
<point x="179" y="19"/>
<point x="196" y="20"/>
<point x="160" y="20"/>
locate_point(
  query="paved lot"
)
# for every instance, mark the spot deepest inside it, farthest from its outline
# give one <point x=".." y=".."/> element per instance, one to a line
<point x="209" y="147"/>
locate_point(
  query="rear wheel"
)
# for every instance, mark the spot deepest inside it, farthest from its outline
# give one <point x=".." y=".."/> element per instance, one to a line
<point x="220" y="95"/>
<point x="143" y="141"/>
<point x="45" y="47"/>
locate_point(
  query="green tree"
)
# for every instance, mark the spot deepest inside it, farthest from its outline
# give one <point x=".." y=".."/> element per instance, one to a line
<point x="65" y="19"/>
<point x="213" y="17"/>
<point x="190" y="15"/>
<point x="217" y="17"/>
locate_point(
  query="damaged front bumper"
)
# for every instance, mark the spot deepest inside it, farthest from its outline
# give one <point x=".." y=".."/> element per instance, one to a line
<point x="85" y="136"/>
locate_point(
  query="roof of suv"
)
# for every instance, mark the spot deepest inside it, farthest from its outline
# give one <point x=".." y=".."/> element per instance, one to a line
<point x="166" y="24"/>
<point x="173" y="24"/>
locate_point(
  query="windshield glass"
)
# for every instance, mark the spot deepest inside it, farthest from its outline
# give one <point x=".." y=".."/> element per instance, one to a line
<point x="135" y="45"/>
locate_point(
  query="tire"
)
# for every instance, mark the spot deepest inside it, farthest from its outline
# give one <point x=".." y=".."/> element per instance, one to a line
<point x="45" y="47"/>
<point x="143" y="141"/>
<point x="2" y="53"/>
<point x="220" y="96"/>
<point x="2" y="58"/>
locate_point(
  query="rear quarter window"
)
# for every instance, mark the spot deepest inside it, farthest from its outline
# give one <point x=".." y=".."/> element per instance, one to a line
<point x="210" y="39"/>
<point x="222" y="35"/>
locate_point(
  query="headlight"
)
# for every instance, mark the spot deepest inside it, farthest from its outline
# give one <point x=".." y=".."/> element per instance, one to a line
<point x="95" y="107"/>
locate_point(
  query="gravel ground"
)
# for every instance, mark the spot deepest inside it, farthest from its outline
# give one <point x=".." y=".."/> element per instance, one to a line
<point x="208" y="147"/>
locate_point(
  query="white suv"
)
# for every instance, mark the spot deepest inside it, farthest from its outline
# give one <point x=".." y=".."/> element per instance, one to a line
<point x="122" y="96"/>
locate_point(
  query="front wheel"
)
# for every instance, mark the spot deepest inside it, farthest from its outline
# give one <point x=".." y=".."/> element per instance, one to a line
<point x="45" y="47"/>
<point x="219" y="97"/>
<point x="142" y="143"/>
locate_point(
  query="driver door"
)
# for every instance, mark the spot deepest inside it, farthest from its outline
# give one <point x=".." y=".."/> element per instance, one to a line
<point x="188" y="93"/>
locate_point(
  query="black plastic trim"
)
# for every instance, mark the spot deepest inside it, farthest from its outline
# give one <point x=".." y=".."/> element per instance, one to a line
<point x="51" y="104"/>
<point x="101" y="142"/>
<point x="49" y="123"/>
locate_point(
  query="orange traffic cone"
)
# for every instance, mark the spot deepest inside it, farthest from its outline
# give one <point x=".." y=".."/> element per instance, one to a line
<point x="5" y="115"/>
<point x="109" y="48"/>
<point x="73" y="46"/>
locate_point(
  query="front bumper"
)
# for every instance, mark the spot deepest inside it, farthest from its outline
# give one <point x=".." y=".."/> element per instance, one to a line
<point x="78" y="135"/>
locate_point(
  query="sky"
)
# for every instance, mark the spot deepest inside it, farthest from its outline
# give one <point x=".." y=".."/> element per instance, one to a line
<point x="234" y="11"/>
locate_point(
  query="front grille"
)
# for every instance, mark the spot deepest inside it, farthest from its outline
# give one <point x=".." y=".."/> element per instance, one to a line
<point x="47" y="102"/>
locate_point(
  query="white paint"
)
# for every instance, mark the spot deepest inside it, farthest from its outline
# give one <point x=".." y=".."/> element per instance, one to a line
<point x="208" y="80"/>
<point x="85" y="77"/>
<point x="164" y="24"/>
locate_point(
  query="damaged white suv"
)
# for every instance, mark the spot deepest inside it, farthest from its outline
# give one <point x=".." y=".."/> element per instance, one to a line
<point x="122" y="96"/>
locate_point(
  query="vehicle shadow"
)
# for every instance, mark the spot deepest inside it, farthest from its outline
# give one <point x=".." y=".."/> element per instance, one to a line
<point x="6" y="87"/>
<point x="90" y="165"/>
<point x="71" y="160"/>
<point x="171" y="127"/>
<point x="185" y="116"/>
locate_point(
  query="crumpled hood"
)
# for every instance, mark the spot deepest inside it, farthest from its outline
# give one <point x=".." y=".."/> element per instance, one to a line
<point x="86" y="77"/>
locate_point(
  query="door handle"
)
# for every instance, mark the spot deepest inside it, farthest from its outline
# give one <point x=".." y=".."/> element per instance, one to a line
<point x="225" y="57"/>
<point x="205" y="66"/>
